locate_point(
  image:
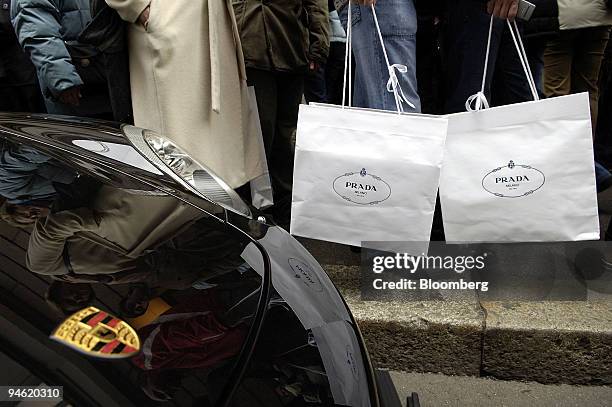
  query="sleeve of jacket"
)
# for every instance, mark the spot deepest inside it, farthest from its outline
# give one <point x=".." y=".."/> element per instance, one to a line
<point x="19" y="173"/>
<point x="318" y="18"/>
<point x="48" y="239"/>
<point x="37" y="25"/>
<point x="129" y="10"/>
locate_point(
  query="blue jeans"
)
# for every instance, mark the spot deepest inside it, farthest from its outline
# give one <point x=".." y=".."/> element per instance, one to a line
<point x="398" y="24"/>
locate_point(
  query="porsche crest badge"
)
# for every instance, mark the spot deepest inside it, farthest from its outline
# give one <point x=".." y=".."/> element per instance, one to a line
<point x="97" y="333"/>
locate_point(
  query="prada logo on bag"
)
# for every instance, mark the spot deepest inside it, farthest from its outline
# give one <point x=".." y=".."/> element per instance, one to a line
<point x="513" y="180"/>
<point x="362" y="188"/>
<point x="303" y="272"/>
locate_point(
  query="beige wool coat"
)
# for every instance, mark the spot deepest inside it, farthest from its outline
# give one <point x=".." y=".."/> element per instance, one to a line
<point x="109" y="237"/>
<point x="189" y="84"/>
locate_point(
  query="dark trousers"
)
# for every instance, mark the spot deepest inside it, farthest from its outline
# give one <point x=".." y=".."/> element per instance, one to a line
<point x="535" y="53"/>
<point x="326" y="83"/>
<point x="19" y="90"/>
<point x="603" y="138"/>
<point x="572" y="62"/>
<point x="467" y="29"/>
<point x="315" y="86"/>
<point x="20" y="98"/>
<point x="429" y="65"/>
<point x="279" y="95"/>
<point x="118" y="85"/>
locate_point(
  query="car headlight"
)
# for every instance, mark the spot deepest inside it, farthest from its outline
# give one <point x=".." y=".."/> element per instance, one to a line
<point x="176" y="159"/>
<point x="183" y="166"/>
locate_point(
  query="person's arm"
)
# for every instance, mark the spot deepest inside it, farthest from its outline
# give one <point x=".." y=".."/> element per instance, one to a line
<point x="318" y="17"/>
<point x="132" y="11"/>
<point x="47" y="241"/>
<point x="38" y="28"/>
<point x="506" y="9"/>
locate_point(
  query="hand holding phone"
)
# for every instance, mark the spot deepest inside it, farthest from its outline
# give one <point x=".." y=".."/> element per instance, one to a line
<point x="525" y="10"/>
<point x="511" y="9"/>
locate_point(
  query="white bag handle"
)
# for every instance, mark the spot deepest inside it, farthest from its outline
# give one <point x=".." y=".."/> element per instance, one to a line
<point x="479" y="101"/>
<point x="393" y="84"/>
<point x="516" y="34"/>
<point x="348" y="63"/>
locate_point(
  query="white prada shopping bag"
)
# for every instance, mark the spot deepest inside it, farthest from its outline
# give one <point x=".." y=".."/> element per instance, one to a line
<point x="363" y="175"/>
<point x="367" y="175"/>
<point x="521" y="173"/>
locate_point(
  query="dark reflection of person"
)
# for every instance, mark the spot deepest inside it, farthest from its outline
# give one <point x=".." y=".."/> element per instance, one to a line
<point x="126" y="238"/>
<point x="136" y="302"/>
<point x="69" y="298"/>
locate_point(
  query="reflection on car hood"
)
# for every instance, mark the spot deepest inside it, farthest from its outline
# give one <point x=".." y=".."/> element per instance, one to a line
<point x="129" y="240"/>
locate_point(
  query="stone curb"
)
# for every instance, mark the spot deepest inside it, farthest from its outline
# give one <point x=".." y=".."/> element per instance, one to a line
<point x="547" y="342"/>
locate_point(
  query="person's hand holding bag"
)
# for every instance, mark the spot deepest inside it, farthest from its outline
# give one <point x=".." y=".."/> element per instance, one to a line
<point x="506" y="9"/>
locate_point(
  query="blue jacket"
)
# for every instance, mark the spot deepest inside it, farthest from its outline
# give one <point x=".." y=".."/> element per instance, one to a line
<point x="43" y="27"/>
<point x="27" y="175"/>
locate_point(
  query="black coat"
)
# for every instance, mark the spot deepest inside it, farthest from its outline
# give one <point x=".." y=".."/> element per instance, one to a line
<point x="15" y="66"/>
<point x="545" y="19"/>
<point x="106" y="30"/>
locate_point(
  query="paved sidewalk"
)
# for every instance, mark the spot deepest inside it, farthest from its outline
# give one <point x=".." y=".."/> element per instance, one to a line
<point x="437" y="390"/>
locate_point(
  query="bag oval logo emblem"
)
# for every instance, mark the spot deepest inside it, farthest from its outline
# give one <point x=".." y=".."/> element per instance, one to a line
<point x="362" y="188"/>
<point x="303" y="272"/>
<point x="513" y="180"/>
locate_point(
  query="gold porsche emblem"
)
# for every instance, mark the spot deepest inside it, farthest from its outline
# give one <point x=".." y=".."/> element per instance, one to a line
<point x="97" y="333"/>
